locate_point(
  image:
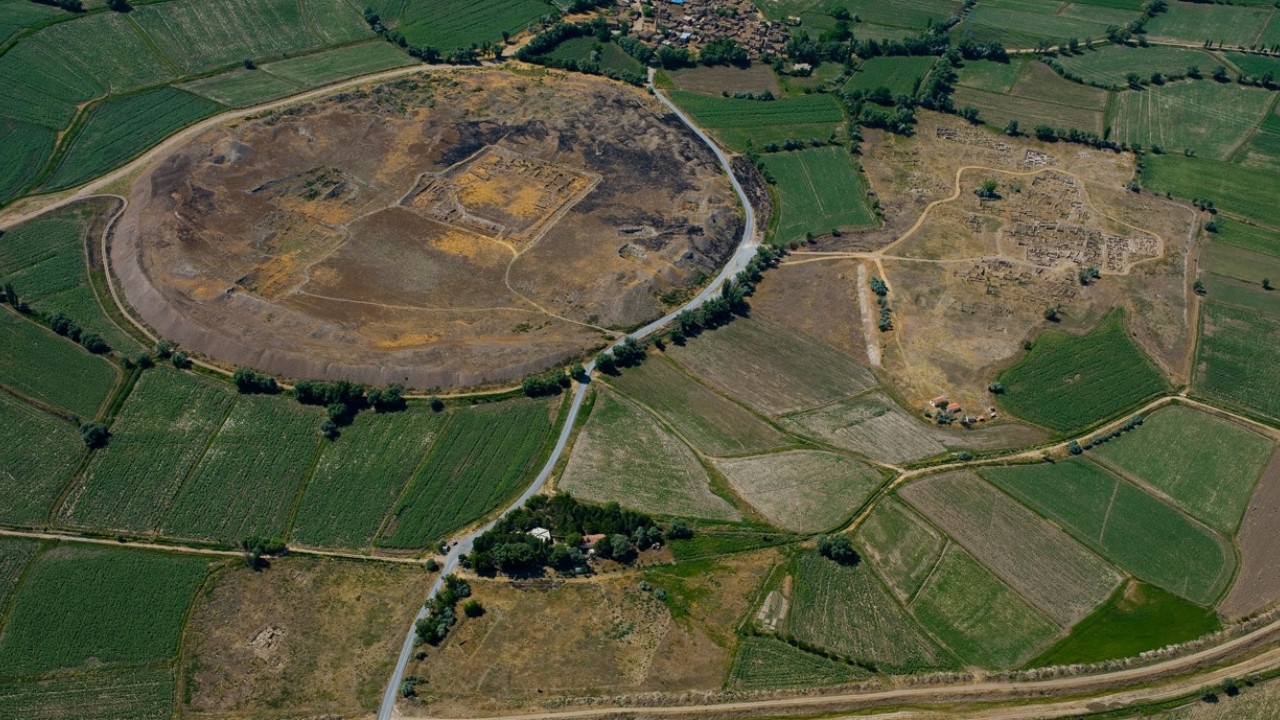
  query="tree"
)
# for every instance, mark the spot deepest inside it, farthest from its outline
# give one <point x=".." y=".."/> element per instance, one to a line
<point x="1011" y="129"/>
<point x="1220" y="74"/>
<point x="94" y="343"/>
<point x="970" y="113"/>
<point x="432" y="565"/>
<point x="1134" y="80"/>
<point x="1051" y="314"/>
<point x="250" y="381"/>
<point x="180" y="360"/>
<point x="388" y="399"/>
<point x="1266" y="283"/>
<point x="679" y="530"/>
<point x="120" y="6"/>
<point x="435" y="403"/>
<point x="473" y="609"/>
<point x="94" y="434"/>
<point x="987" y="191"/>
<point x="838" y="548"/>
<point x="606" y="364"/>
<point x="1198" y="286"/>
<point x="620" y="548"/>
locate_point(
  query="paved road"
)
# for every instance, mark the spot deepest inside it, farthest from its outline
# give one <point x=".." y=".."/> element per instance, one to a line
<point x="746" y="250"/>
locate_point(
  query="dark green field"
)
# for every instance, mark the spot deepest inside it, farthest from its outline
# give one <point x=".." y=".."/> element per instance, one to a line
<point x="1237" y="189"/>
<point x="50" y="369"/>
<point x="1234" y="361"/>
<point x="1068" y="381"/>
<point x="738" y="123"/>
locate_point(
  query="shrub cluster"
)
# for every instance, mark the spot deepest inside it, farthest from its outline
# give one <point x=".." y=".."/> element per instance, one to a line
<point x="441" y="616"/>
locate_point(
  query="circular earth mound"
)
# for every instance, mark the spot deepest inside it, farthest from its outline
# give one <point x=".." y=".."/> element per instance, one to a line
<point x="451" y="230"/>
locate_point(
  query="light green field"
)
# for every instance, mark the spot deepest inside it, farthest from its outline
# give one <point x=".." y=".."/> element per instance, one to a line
<point x="53" y="370"/>
<point x="901" y="75"/>
<point x="1228" y="291"/>
<point x="42" y="87"/>
<point x="1243" y="265"/>
<point x="1255" y="65"/>
<point x="250" y="474"/>
<point x="159" y="436"/>
<point x="803" y="490"/>
<point x="1112" y="64"/>
<point x="989" y="75"/>
<point x="1208" y="117"/>
<point x="847" y="610"/>
<point x="708" y="421"/>
<point x="624" y="456"/>
<point x="1040" y="562"/>
<point x="981" y="619"/>
<point x="82" y="606"/>
<point x="1234" y="361"/>
<point x="1039" y="97"/>
<point x="738" y="123"/>
<point x="819" y="190"/>
<point x="134" y="693"/>
<point x="1023" y="23"/>
<point x="1208" y="465"/>
<point x="1068" y="381"/>
<point x="902" y="545"/>
<point x="762" y="663"/>
<point x="108" y="48"/>
<point x="1247" y="237"/>
<point x="610" y="57"/>
<point x="1244" y="190"/>
<point x="879" y="18"/>
<point x="771" y="368"/>
<point x="446" y="25"/>
<point x="332" y="65"/>
<point x="1195" y="22"/>
<point x="1125" y="525"/>
<point x="37" y="458"/>
<point x="360" y="475"/>
<point x="242" y="88"/>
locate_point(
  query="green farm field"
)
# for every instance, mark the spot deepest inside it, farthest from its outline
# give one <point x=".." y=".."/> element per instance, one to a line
<point x="83" y="607"/>
<point x="159" y="436"/>
<point x="703" y="418"/>
<point x="15" y="553"/>
<point x="448" y="26"/>
<point x="1069" y="381"/>
<point x="360" y="475"/>
<point x="16" y="15"/>
<point x="1024" y="23"/>
<point x="1234" y="361"/>
<point x="123" y="127"/>
<point x="819" y="190"/>
<point x="1255" y="65"/>
<point x="762" y="663"/>
<point x="38" y="456"/>
<point x="981" y="619"/>
<point x="1111" y="64"/>
<point x="1252" y="296"/>
<point x="623" y="455"/>
<point x="330" y="66"/>
<point x="1208" y="465"/>
<point x="134" y="693"/>
<point x="1194" y="22"/>
<point x="1038" y="97"/>
<point x="903" y="546"/>
<point x="1139" y="617"/>
<point x="611" y="57"/>
<point x="991" y="76"/>
<point x="1212" y="119"/>
<point x="1040" y="562"/>
<point x="1125" y="525"/>
<point x="802" y="490"/>
<point x="1239" y="264"/>
<point x="771" y="368"/>
<point x="736" y="123"/>
<point x="41" y="86"/>
<point x="879" y="18"/>
<point x="1235" y="189"/>
<point x="847" y="610"/>
<point x="27" y="149"/>
<point x="109" y="50"/>
<point x="250" y="474"/>
<point x="1247" y="237"/>
<point x="40" y="365"/>
<point x="242" y="88"/>
<point x="901" y="75"/>
<point x="482" y="457"/>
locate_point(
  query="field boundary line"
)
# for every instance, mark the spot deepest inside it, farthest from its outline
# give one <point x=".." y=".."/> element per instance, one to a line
<point x="947" y="542"/>
<point x="38" y="405"/>
<point x="404" y="489"/>
<point x="12" y="600"/>
<point x="195" y="465"/>
<point x="1241" y="146"/>
<point x="151" y="43"/>
<point x="302" y="489"/>
<point x="1106" y="516"/>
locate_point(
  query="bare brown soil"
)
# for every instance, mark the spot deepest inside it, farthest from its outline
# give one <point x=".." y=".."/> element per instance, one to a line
<point x="453" y="230"/>
<point x="305" y="637"/>
<point x="758" y="78"/>
<point x="1257" y="585"/>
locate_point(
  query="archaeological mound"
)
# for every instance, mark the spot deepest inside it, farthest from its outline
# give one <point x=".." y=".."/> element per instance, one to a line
<point x="449" y="230"/>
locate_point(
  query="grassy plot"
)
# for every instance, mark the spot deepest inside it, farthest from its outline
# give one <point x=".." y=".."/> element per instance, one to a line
<point x="26" y="148"/>
<point x="981" y="619"/>
<point x="802" y="490"/>
<point x="848" y="610"/>
<point x="1243" y="190"/>
<point x="1209" y="118"/>
<point x="590" y="51"/>
<point x="1255" y="65"/>
<point x="447" y="25"/>
<point x="109" y="49"/>
<point x="333" y="22"/>
<point x="1043" y="564"/>
<point x="158" y="437"/>
<point x="623" y="455"/>
<point x="1125" y="525"/>
<point x="1234" y="360"/>
<point x="1194" y="22"/>
<point x="37" y="458"/>
<point x="42" y="87"/>
<point x="16" y="15"/>
<point x="990" y="75"/>
<point x="84" y="606"/>
<point x="878" y="18"/>
<point x="901" y="75"/>
<point x="360" y="475"/>
<point x="250" y="474"/>
<point x="771" y="368"/>
<point x="123" y="127"/>
<point x="242" y="88"/>
<point x="36" y="241"/>
<point x="134" y="693"/>
<point x="766" y="664"/>
<point x="711" y="423"/>
<point x="1243" y="265"/>
<point x="15" y="553"/>
<point x="1208" y="465"/>
<point x="872" y="425"/>
<point x="1039" y="96"/>
<point x="1263" y="148"/>
<point x="1111" y="64"/>
<point x="1227" y="291"/>
<point x="819" y="190"/>
<point x="1138" y="618"/>
<point x="1069" y="381"/>
<point x="902" y="546"/>
<point x="482" y="457"/>
<point x="737" y="123"/>
<point x="1024" y="23"/>
<point x="1245" y="237"/>
<point x="332" y="65"/>
<point x="50" y="369"/>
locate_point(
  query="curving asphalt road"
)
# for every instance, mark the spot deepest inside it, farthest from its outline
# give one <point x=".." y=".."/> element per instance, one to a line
<point x="738" y="262"/>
